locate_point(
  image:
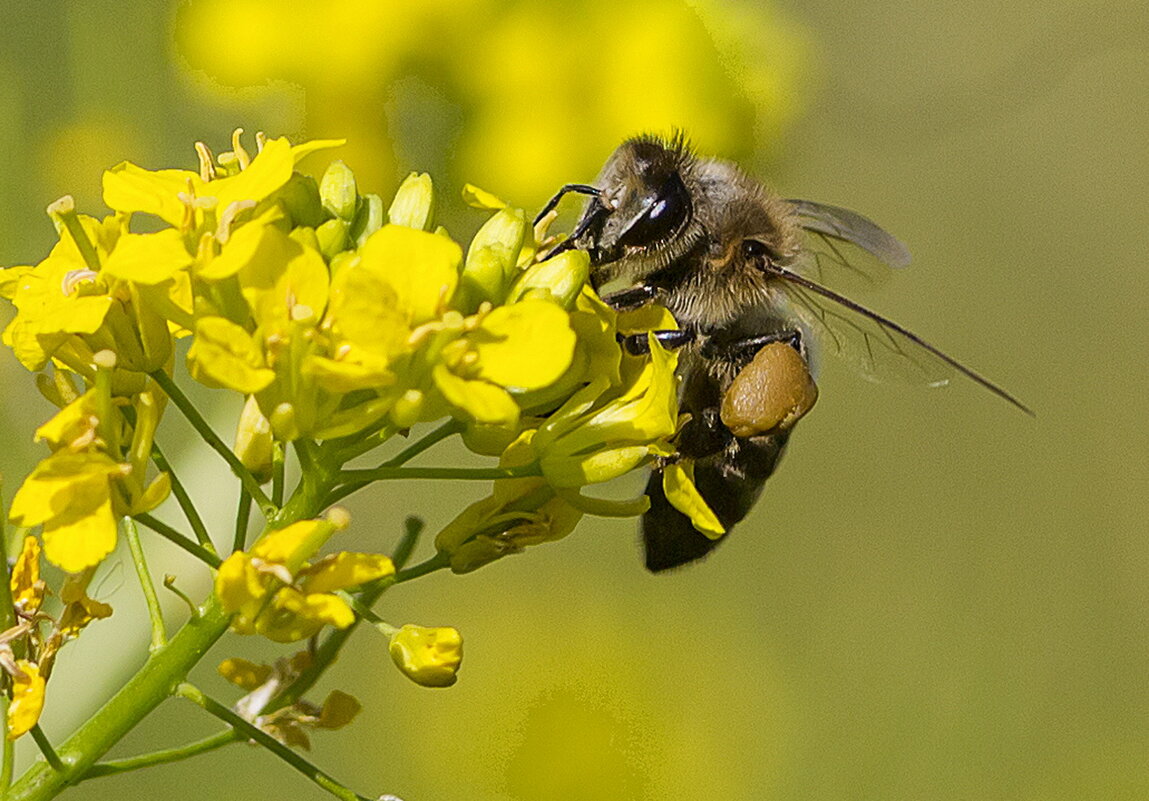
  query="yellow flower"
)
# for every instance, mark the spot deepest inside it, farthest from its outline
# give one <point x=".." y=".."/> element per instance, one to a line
<point x="181" y="197"/>
<point x="422" y="269"/>
<point x="271" y="591"/>
<point x="601" y="433"/>
<point x="428" y="656"/>
<point x="27" y="698"/>
<point x="519" y="512"/>
<point x="69" y="494"/>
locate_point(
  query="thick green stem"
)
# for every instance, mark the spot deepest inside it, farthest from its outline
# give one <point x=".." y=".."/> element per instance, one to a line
<point x="158" y="678"/>
<point x="155" y="681"/>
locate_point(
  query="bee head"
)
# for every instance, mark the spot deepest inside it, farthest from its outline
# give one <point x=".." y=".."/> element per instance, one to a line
<point x="641" y="219"/>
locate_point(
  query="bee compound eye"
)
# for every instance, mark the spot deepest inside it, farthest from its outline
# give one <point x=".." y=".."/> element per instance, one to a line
<point x="662" y="218"/>
<point x="756" y="249"/>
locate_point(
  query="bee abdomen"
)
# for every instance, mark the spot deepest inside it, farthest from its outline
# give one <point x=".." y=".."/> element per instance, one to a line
<point x="730" y="482"/>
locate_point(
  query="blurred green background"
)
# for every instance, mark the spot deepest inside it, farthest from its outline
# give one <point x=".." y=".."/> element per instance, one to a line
<point x="936" y="598"/>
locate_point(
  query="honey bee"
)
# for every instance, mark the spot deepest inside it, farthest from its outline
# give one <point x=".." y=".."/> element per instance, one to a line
<point x="741" y="269"/>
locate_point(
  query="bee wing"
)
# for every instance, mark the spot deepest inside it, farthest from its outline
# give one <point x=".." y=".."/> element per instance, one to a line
<point x="878" y="347"/>
<point x="835" y="222"/>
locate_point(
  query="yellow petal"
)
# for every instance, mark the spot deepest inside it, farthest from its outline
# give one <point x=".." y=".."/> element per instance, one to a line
<point x="293" y="544"/>
<point x="147" y="258"/>
<point x="485" y="403"/>
<point x="478" y="198"/>
<point x="238" y="584"/>
<point x="84" y="534"/>
<point x="225" y="355"/>
<point x="421" y="268"/>
<point x="678" y="485"/>
<point x="342" y="570"/>
<point x="268" y="171"/>
<point x="131" y="188"/>
<point x="27" y="588"/>
<point x="525" y="346"/>
<point x="294" y="616"/>
<point x="27" y="699"/>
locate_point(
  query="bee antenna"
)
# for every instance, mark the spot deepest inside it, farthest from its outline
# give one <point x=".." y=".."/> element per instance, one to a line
<point x="582" y="189"/>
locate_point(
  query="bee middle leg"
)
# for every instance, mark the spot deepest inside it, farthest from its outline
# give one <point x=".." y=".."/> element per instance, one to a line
<point x="741" y="351"/>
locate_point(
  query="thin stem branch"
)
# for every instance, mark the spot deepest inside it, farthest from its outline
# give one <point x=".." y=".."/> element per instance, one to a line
<point x="278" y="474"/>
<point x="355" y="480"/>
<point x="209" y="436"/>
<point x="436" y="562"/>
<point x="176" y="538"/>
<point x="423" y="443"/>
<point x="187" y="505"/>
<point x="159" y="631"/>
<point x="46" y="749"/>
<point x="9" y="752"/>
<point x="252" y="732"/>
<point x="112" y="767"/>
<point x="412" y="528"/>
<point x="242" y="518"/>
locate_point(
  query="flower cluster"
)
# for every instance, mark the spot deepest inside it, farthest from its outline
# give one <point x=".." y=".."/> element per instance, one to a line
<point x="342" y="320"/>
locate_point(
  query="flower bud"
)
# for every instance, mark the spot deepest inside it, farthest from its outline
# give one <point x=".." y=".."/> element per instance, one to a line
<point x="428" y="656"/>
<point x="332" y="236"/>
<point x="253" y="442"/>
<point x="368" y="219"/>
<point x="338" y="191"/>
<point x="492" y="257"/>
<point x="560" y="279"/>
<point x="414" y="203"/>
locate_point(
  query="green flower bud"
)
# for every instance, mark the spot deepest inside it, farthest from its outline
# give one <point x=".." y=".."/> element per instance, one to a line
<point x="368" y="219"/>
<point x="332" y="236"/>
<point x="559" y="279"/>
<point x="491" y="258"/>
<point x="338" y="191"/>
<point x="414" y="203"/>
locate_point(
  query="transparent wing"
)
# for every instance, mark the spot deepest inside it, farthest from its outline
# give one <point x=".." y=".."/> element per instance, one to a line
<point x="835" y="222"/>
<point x="876" y="346"/>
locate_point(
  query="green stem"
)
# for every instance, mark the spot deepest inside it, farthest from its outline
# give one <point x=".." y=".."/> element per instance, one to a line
<point x="252" y="732"/>
<point x="423" y="443"/>
<point x="9" y="752"/>
<point x="209" y="436"/>
<point x="65" y="210"/>
<point x="354" y="480"/>
<point x="278" y="477"/>
<point x="436" y="562"/>
<point x="412" y="528"/>
<point x="112" y="767"/>
<point x="348" y="448"/>
<point x="159" y="631"/>
<point x="142" y="693"/>
<point x="46" y="748"/>
<point x="187" y="505"/>
<point x="242" y="518"/>
<point x="174" y="537"/>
